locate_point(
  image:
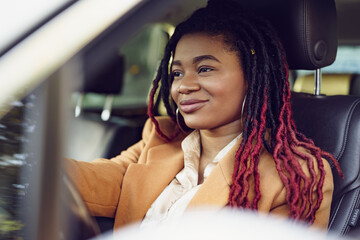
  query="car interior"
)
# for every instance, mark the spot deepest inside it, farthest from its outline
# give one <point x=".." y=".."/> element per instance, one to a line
<point x="308" y="30"/>
<point x="331" y="121"/>
<point x="108" y="107"/>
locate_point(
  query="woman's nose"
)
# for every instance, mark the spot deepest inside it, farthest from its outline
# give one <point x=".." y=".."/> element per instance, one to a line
<point x="188" y="84"/>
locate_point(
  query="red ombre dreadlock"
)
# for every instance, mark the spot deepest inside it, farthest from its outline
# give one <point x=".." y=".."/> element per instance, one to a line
<point x="267" y="117"/>
<point x="152" y="117"/>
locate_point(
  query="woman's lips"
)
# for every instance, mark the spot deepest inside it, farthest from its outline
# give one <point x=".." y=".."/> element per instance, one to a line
<point x="191" y="105"/>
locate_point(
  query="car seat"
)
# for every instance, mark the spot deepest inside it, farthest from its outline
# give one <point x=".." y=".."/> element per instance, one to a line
<point x="308" y="31"/>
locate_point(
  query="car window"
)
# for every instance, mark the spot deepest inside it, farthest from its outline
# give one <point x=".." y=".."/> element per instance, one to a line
<point x="23" y="123"/>
<point x="347" y="61"/>
<point x="142" y="55"/>
<point x="14" y="128"/>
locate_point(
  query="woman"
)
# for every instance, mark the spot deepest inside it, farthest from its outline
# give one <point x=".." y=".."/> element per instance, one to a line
<point x="229" y="138"/>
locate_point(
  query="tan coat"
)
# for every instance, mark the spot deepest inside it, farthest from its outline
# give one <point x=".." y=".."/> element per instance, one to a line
<point x="124" y="187"/>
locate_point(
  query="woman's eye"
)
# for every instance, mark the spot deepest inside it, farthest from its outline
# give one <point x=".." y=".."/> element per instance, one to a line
<point x="177" y="74"/>
<point x="205" y="69"/>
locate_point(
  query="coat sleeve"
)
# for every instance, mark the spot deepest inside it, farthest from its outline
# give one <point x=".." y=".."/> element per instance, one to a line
<point x="323" y="213"/>
<point x="99" y="182"/>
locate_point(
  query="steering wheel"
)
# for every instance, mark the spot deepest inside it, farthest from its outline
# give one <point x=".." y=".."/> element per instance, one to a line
<point x="76" y="221"/>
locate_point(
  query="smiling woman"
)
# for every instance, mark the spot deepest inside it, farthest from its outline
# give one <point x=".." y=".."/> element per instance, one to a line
<point x="229" y="139"/>
<point x="244" y="153"/>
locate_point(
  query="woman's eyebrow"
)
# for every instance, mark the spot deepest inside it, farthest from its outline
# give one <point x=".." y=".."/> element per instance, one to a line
<point x="205" y="57"/>
<point x="176" y="62"/>
<point x="197" y="60"/>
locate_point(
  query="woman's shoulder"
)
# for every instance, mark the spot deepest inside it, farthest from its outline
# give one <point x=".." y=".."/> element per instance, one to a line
<point x="164" y="124"/>
<point x="308" y="159"/>
<point x="303" y="158"/>
<point x="273" y="187"/>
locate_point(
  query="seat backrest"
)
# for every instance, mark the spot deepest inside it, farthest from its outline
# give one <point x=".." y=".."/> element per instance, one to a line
<point x="308" y="31"/>
<point x="101" y="139"/>
<point x="333" y="123"/>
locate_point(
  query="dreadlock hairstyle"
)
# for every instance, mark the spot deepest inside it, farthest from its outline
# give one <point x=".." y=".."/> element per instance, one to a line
<point x="267" y="120"/>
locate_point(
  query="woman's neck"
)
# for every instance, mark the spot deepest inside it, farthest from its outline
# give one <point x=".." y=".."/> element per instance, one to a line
<point x="213" y="140"/>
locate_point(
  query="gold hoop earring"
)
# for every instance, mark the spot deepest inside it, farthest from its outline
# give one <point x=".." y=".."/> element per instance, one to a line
<point x="178" y="120"/>
<point x="243" y="106"/>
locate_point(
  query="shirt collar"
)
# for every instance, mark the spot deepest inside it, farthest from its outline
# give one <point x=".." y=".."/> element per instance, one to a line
<point x="191" y="147"/>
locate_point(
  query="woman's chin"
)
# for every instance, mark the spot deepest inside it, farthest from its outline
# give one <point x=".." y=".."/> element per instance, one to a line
<point x="204" y="124"/>
<point x="198" y="125"/>
<point x="194" y="125"/>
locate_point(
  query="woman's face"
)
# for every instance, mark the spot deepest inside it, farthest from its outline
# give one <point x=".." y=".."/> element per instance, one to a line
<point x="209" y="85"/>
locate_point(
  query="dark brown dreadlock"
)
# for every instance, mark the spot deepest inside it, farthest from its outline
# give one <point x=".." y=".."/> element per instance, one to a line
<point x="267" y="109"/>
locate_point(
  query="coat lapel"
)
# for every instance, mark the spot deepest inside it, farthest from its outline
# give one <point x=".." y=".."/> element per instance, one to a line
<point x="215" y="190"/>
<point x="143" y="183"/>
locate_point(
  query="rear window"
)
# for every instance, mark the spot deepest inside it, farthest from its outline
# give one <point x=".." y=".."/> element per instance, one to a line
<point x="347" y="61"/>
<point x="340" y="78"/>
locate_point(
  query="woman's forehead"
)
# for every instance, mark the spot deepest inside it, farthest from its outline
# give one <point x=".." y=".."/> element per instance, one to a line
<point x="197" y="44"/>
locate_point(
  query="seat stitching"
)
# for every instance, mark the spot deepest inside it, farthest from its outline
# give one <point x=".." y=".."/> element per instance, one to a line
<point x="352" y="108"/>
<point x="336" y="211"/>
<point x="349" y="215"/>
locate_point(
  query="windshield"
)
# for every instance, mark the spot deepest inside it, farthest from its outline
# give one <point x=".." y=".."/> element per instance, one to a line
<point x="18" y="17"/>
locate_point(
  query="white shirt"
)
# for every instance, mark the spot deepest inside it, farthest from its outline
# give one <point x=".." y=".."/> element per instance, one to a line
<point x="174" y="199"/>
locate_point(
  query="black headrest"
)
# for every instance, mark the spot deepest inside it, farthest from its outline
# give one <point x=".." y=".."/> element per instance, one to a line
<point x="104" y="77"/>
<point x="307" y="29"/>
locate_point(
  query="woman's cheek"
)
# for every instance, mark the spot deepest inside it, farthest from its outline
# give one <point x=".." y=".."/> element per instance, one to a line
<point x="174" y="92"/>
